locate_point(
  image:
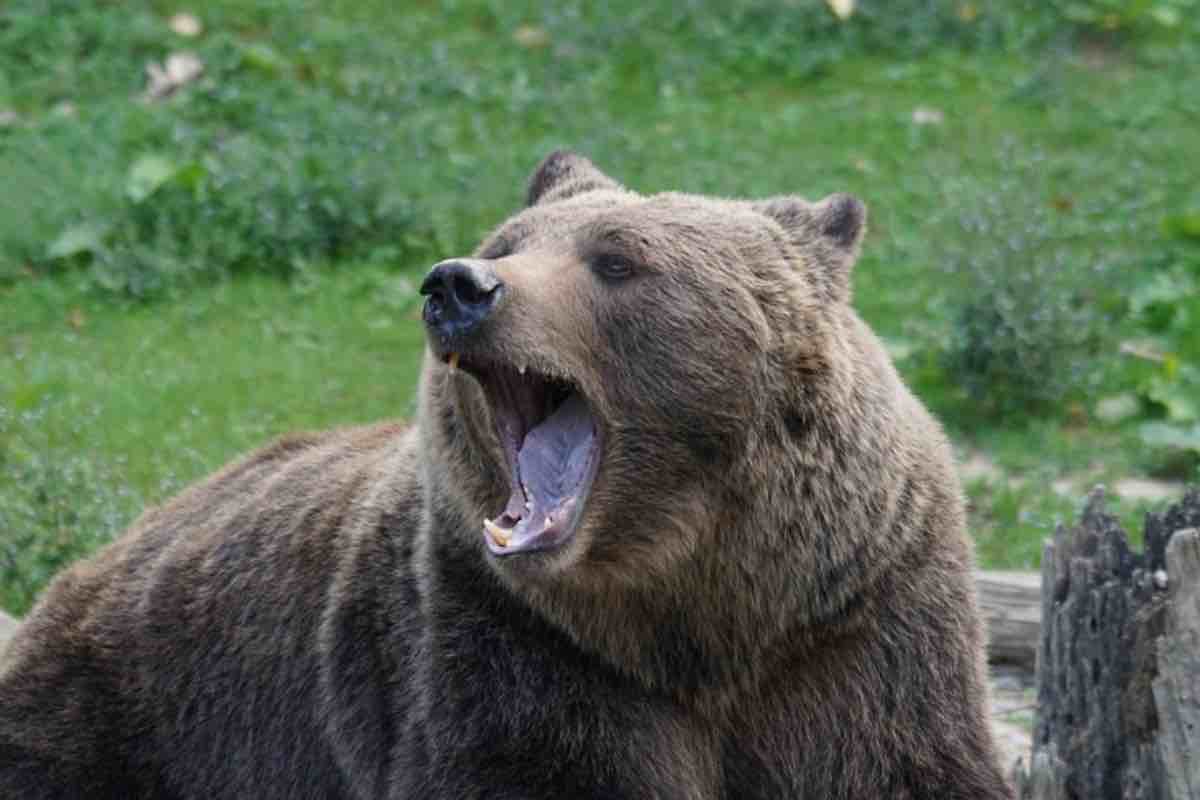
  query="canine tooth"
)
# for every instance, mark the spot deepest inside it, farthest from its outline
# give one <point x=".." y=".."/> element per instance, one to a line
<point x="497" y="534"/>
<point x="453" y="361"/>
<point x="521" y="369"/>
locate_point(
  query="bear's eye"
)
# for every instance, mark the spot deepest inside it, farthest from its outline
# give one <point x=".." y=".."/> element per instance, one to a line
<point x="611" y="266"/>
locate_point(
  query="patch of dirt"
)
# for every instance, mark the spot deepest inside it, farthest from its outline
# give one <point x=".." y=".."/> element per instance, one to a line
<point x="1101" y="53"/>
<point x="978" y="467"/>
<point x="1147" y="489"/>
<point x="1064" y="487"/>
<point x="1013" y="702"/>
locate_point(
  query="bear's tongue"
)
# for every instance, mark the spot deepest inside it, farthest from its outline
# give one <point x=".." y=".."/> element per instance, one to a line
<point x="548" y="474"/>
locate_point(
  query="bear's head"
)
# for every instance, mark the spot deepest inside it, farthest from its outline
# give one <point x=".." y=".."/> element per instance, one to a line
<point x="605" y="359"/>
<point x="609" y="373"/>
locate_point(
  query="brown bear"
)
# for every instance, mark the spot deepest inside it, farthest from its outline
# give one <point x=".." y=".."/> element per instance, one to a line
<point x="668" y="525"/>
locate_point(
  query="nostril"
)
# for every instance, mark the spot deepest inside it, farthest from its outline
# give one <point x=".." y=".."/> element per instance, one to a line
<point x="464" y="287"/>
<point x="434" y="285"/>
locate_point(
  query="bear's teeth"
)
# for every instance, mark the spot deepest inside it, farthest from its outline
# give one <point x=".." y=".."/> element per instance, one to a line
<point x="497" y="534"/>
<point x="521" y="369"/>
<point x="453" y="361"/>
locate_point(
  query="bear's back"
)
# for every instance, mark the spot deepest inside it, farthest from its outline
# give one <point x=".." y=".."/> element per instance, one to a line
<point x="191" y="651"/>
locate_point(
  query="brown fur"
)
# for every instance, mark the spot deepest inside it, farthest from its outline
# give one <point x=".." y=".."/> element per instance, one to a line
<point x="769" y="594"/>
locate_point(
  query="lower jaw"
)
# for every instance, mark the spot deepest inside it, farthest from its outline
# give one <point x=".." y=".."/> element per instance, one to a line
<point x="557" y="531"/>
<point x="549" y="531"/>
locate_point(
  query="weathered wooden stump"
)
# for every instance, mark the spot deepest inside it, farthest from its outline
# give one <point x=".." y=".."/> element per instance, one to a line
<point x="1118" y="713"/>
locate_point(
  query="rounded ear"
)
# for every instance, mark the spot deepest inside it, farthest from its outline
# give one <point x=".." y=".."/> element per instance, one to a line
<point x="828" y="233"/>
<point x="563" y="174"/>
<point x="843" y="219"/>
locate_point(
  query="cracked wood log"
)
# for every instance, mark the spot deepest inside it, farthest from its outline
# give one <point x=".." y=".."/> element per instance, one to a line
<point x="1011" y="603"/>
<point x="1118" y="713"/>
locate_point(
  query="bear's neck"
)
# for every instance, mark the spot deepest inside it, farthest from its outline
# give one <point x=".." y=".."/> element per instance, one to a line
<point x="810" y="522"/>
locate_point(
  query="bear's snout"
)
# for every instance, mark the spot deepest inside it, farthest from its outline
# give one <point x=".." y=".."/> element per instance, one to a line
<point x="460" y="294"/>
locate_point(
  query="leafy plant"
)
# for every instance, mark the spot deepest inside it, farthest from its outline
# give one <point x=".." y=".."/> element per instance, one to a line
<point x="1183" y="225"/>
<point x="1025" y="334"/>
<point x="250" y="202"/>
<point x="1177" y="447"/>
<point x="1160" y="303"/>
<point x="1124" y="15"/>
<point x="56" y="508"/>
<point x="244" y="168"/>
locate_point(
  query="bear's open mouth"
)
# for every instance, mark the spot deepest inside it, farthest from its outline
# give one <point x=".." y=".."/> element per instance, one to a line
<point x="551" y="445"/>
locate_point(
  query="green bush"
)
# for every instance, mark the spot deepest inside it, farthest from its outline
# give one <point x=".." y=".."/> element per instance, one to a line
<point x="1026" y="330"/>
<point x="58" y="507"/>
<point x="246" y="168"/>
<point x="249" y="203"/>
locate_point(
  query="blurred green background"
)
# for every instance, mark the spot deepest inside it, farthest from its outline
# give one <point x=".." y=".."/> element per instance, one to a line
<point x="214" y="217"/>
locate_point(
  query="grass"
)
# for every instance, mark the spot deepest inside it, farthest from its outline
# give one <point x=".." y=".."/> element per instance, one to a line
<point x="115" y="405"/>
<point x="261" y="278"/>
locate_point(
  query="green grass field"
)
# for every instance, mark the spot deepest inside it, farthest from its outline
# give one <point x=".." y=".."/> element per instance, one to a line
<point x="182" y="279"/>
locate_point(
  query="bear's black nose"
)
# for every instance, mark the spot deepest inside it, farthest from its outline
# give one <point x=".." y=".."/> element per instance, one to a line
<point x="461" y="294"/>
